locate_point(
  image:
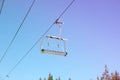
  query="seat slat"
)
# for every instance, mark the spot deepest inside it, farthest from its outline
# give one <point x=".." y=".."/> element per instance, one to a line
<point x="54" y="52"/>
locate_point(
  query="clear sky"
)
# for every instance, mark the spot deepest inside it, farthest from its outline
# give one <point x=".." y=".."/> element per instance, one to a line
<point x="92" y="28"/>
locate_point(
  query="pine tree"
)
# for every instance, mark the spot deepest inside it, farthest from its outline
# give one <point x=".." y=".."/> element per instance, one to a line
<point x="69" y="79"/>
<point x="50" y="77"/>
<point x="107" y="76"/>
<point x="40" y="79"/>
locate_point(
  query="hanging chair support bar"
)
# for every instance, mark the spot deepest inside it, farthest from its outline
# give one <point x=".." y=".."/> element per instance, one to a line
<point x="59" y="23"/>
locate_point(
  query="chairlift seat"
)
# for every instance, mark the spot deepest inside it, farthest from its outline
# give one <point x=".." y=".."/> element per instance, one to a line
<point x="54" y="52"/>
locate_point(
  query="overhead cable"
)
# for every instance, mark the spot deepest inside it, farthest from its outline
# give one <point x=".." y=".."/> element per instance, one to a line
<point x="4" y="54"/>
<point x="2" y="6"/>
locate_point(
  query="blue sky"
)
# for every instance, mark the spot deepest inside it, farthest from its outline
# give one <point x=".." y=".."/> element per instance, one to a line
<point x="92" y="28"/>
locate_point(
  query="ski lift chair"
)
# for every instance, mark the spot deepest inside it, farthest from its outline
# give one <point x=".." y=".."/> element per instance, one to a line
<point x="58" y="38"/>
<point x="55" y="52"/>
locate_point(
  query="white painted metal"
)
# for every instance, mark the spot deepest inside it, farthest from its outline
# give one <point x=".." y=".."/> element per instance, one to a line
<point x="54" y="52"/>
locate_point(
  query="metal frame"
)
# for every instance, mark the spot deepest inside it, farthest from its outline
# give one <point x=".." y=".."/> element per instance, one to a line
<point x="64" y="53"/>
<point x="60" y="53"/>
